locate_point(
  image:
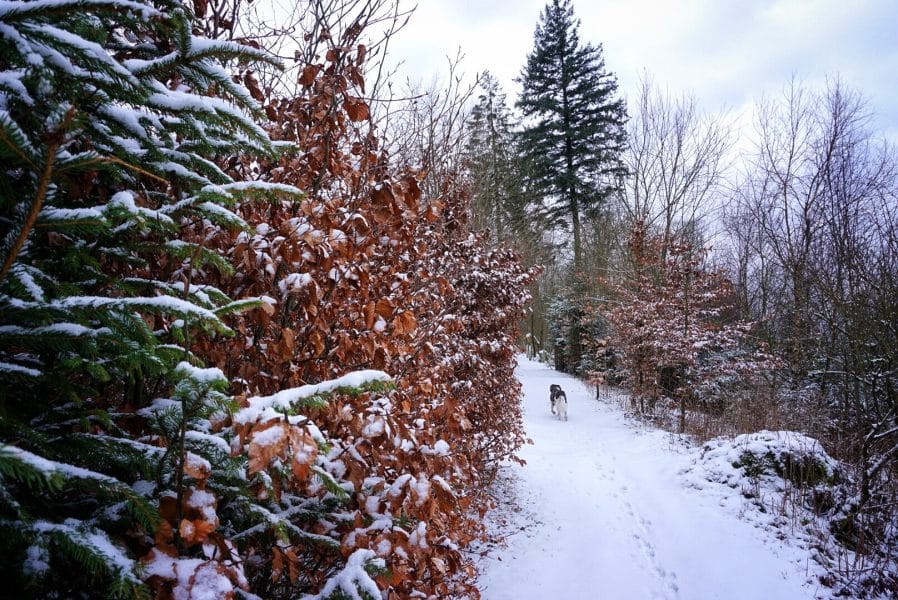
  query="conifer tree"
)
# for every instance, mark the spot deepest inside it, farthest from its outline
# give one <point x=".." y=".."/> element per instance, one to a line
<point x="574" y="122"/>
<point x="491" y="152"/>
<point x="111" y="116"/>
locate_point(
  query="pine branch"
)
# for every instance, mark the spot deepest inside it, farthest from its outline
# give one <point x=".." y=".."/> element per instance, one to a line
<point x="42" y="187"/>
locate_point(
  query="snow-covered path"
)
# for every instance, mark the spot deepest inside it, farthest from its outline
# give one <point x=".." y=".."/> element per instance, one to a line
<point x="601" y="512"/>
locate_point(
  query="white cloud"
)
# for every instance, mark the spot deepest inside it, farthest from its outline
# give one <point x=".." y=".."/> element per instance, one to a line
<point x="727" y="52"/>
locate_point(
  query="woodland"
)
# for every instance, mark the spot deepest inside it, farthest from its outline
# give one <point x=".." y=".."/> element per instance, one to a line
<point x="260" y="304"/>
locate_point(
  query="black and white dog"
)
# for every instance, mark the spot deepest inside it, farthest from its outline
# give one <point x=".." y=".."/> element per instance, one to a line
<point x="558" y="401"/>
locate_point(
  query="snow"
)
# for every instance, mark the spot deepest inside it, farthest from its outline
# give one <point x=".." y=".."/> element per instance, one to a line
<point x="51" y="467"/>
<point x="262" y="186"/>
<point x="56" y="329"/>
<point x="204" y="502"/>
<point x="196" y="463"/>
<point x="13" y="8"/>
<point x="720" y="459"/>
<point x="196" y="578"/>
<point x="351" y="578"/>
<point x="36" y="560"/>
<point x="94" y="539"/>
<point x="605" y="509"/>
<point x="440" y="448"/>
<point x="268" y="437"/>
<point x="125" y="201"/>
<point x="422" y="490"/>
<point x="12" y="81"/>
<point x="25" y="275"/>
<point x="19" y="370"/>
<point x="51" y="213"/>
<point x="261" y="407"/>
<point x="294" y="281"/>
<point x="161" y="303"/>
<point x="373" y="427"/>
<point x="217" y="441"/>
<point x="204" y="376"/>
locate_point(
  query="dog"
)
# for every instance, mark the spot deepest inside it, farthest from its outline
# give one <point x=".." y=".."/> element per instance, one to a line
<point x="554" y="389"/>
<point x="558" y="401"/>
<point x="561" y="406"/>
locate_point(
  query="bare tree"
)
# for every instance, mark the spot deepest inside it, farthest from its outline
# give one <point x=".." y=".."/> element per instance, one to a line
<point x="425" y="126"/>
<point x="299" y="32"/>
<point x="815" y="229"/>
<point x="676" y="160"/>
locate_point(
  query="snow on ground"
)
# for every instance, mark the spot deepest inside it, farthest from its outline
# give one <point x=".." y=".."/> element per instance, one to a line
<point x="604" y="509"/>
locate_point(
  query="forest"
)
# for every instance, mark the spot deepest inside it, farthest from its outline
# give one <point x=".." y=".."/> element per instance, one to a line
<point x="260" y="305"/>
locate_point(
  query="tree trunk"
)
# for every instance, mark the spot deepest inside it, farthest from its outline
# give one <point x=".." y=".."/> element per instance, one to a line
<point x="575" y="225"/>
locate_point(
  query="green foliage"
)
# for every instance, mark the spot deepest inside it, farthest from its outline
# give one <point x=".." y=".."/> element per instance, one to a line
<point x="497" y="182"/>
<point x="112" y="117"/>
<point x="802" y="469"/>
<point x="574" y="133"/>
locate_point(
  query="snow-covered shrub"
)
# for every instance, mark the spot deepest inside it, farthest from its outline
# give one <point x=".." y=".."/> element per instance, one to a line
<point x="364" y="271"/>
<point x="789" y="481"/>
<point x="293" y="464"/>
<point x="771" y="460"/>
<point x="673" y="328"/>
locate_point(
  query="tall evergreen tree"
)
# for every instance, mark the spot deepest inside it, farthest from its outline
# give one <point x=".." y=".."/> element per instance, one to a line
<point x="574" y="122"/>
<point x="491" y="153"/>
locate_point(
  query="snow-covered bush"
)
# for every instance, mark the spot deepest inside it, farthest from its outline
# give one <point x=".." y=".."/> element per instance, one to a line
<point x="293" y="464"/>
<point x="365" y="271"/>
<point x="773" y="461"/>
<point x="674" y="329"/>
<point x="786" y="480"/>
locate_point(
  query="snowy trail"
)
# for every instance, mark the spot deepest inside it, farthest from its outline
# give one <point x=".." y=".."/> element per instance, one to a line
<point x="600" y="512"/>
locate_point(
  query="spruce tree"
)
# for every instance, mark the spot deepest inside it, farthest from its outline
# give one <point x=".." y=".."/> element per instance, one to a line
<point x="574" y="122"/>
<point x="492" y="159"/>
<point x="111" y="117"/>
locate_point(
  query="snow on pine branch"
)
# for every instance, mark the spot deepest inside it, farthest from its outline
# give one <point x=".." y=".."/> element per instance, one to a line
<point x="49" y="468"/>
<point x="18" y="369"/>
<point x="352" y="578"/>
<point x="16" y="11"/>
<point x="264" y="407"/>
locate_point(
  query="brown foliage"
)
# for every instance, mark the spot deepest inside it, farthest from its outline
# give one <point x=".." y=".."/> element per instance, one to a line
<point x="366" y="273"/>
<point x="673" y="325"/>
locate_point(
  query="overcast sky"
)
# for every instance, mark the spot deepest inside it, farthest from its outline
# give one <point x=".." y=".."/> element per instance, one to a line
<point x="726" y="52"/>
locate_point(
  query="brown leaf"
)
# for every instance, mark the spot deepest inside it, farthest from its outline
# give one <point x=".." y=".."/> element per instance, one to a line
<point x="309" y="73"/>
<point x="277" y="563"/>
<point x="383" y="195"/>
<point x="292" y="565"/>
<point x="305" y="450"/>
<point x="266" y="443"/>
<point x="197" y="467"/>
<point x="384" y="308"/>
<point x="369" y="311"/>
<point x="356" y="108"/>
<point x="249" y="80"/>
<point x="268" y="308"/>
<point x="405" y="323"/>
<point x="317" y="341"/>
<point x="288" y="338"/>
